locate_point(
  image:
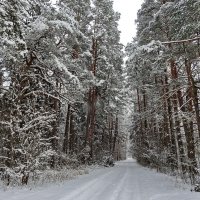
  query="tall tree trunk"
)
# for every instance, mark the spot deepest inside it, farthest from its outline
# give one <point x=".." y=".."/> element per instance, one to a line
<point x="190" y="136"/>
<point x="173" y="148"/>
<point x="88" y="121"/>
<point x="115" y="135"/>
<point x="110" y="130"/>
<point x="66" y="135"/>
<point x="92" y="98"/>
<point x="190" y="142"/>
<point x="166" y="122"/>
<point x="194" y="93"/>
<point x="180" y="147"/>
<point x="71" y="134"/>
<point x="1" y="81"/>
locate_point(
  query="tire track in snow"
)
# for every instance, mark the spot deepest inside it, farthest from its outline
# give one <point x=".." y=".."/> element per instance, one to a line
<point x="126" y="181"/>
<point x="86" y="189"/>
<point x="120" y="187"/>
<point x="109" y="187"/>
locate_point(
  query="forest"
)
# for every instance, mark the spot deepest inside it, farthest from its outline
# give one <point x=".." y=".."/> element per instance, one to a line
<point x="61" y="85"/>
<point x="164" y="72"/>
<point x="66" y="93"/>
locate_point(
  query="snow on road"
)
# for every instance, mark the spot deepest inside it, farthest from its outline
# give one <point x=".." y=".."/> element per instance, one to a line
<point x="126" y="181"/>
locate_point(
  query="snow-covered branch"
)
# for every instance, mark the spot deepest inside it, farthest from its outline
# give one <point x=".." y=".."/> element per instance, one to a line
<point x="182" y="41"/>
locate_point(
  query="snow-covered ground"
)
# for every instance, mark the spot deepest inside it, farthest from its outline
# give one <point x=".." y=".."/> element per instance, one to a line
<point x="126" y="181"/>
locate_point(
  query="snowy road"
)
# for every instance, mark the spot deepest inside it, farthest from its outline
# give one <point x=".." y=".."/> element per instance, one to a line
<point x="126" y="181"/>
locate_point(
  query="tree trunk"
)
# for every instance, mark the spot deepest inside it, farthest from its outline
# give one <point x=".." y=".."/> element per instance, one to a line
<point x="115" y="135"/>
<point x="1" y="81"/>
<point x="166" y="122"/>
<point x="194" y="93"/>
<point x="66" y="135"/>
<point x="110" y="130"/>
<point x="71" y="134"/>
<point x="190" y="136"/>
<point x="173" y="157"/>
<point x="180" y="147"/>
<point x="92" y="98"/>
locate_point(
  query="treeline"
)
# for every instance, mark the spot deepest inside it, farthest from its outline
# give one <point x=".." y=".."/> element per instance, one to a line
<point x="61" y="85"/>
<point x="164" y="73"/>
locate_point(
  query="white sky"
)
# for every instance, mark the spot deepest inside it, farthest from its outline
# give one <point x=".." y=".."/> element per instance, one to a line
<point x="128" y="10"/>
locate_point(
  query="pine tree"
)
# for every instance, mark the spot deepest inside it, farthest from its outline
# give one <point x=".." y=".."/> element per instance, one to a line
<point x="106" y="68"/>
<point x="61" y="85"/>
<point x="38" y="77"/>
<point x="164" y="85"/>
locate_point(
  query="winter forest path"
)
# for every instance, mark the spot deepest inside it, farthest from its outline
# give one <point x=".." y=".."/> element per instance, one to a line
<point x="126" y="181"/>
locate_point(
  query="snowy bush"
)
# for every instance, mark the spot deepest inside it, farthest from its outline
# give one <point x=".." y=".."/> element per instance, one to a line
<point x="197" y="188"/>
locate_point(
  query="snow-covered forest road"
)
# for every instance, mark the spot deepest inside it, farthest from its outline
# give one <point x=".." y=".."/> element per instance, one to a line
<point x="126" y="181"/>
